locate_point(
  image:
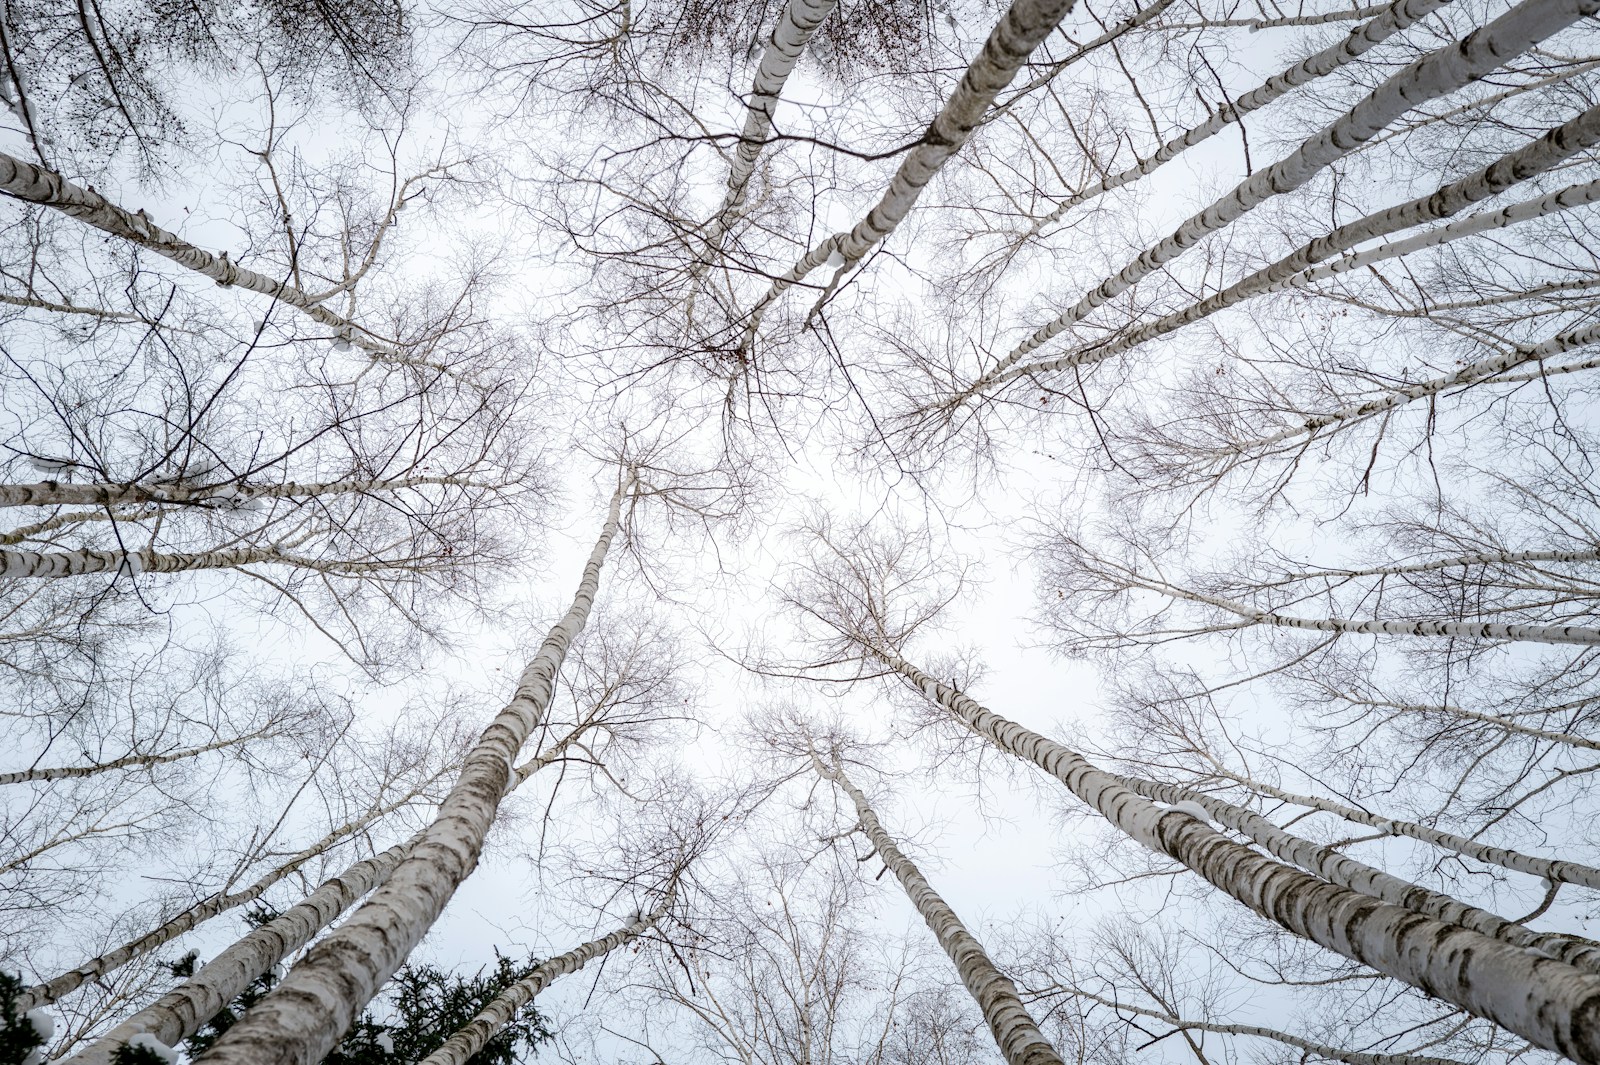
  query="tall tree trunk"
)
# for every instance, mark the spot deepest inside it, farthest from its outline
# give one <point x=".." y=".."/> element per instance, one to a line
<point x="1476" y="630"/>
<point x="1448" y="710"/>
<point x="799" y="20"/>
<point x="1014" y="1030"/>
<point x="73" y="979"/>
<point x="140" y="760"/>
<point x="1442" y="71"/>
<point x="1547" y="1002"/>
<point x="1573" y="196"/>
<point x="1392" y="20"/>
<point x="1023" y="28"/>
<point x="503" y="1009"/>
<point x="1345" y="871"/>
<point x="1477" y="558"/>
<point x="1482" y="370"/>
<point x="1554" y="870"/>
<point x="307" y="1014"/>
<point x="34" y="184"/>
<point x="182" y="1011"/>
<point x="55" y="493"/>
<point x="1556" y="147"/>
<point x="53" y="564"/>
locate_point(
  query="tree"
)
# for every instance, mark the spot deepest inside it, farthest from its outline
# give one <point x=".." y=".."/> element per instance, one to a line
<point x="791" y="969"/>
<point x="1261" y="336"/>
<point x="852" y="593"/>
<point x="423" y="1004"/>
<point x="1014" y="1030"/>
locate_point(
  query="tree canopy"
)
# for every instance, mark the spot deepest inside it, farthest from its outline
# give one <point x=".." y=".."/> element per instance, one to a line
<point x="887" y="532"/>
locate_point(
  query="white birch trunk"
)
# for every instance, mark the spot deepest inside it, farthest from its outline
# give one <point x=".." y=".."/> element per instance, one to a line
<point x="799" y="20"/>
<point x="1023" y="28"/>
<point x="1480" y="558"/>
<point x="1440" y="72"/>
<point x="1537" y="157"/>
<point x="1484" y="222"/>
<point x="503" y="1009"/>
<point x="54" y="493"/>
<point x="34" y="184"/>
<point x="1540" y="373"/>
<point x="52" y="564"/>
<point x="1567" y="738"/>
<point x="64" y="518"/>
<point x="1338" y="868"/>
<point x="182" y="1011"/>
<point x="34" y="303"/>
<point x="307" y="1014"/>
<point x="55" y="564"/>
<point x="1014" y="1030"/>
<point x="1547" y="1002"/>
<point x="1554" y="870"/>
<point x="1394" y="19"/>
<point x="73" y="979"/>
<point x="1473" y="630"/>
<point x="1484" y="370"/>
<point x="141" y="760"/>
<point x="1476" y="630"/>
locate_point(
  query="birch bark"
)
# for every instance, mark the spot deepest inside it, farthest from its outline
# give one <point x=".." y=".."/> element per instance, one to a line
<point x="1484" y="222"/>
<point x="1481" y="558"/>
<point x="1023" y="28"/>
<point x="54" y="493"/>
<point x="1338" y="868"/>
<point x="799" y="20"/>
<point x="1397" y="17"/>
<point x="1555" y="870"/>
<point x="1547" y="1002"/>
<point x="503" y="1010"/>
<point x="1015" y="1032"/>
<point x="64" y="518"/>
<point x="1138" y="19"/>
<point x="34" y="184"/>
<point x="305" y="1016"/>
<point x="1477" y="630"/>
<point x="141" y="760"/>
<point x="1490" y="370"/>
<point x="180" y="1012"/>
<point x="54" y="564"/>
<point x="1434" y="75"/>
<point x="1497" y="721"/>
<point x="1555" y="147"/>
<point x="71" y="980"/>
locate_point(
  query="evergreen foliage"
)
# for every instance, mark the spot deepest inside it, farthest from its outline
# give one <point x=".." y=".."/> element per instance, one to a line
<point x="425" y="1006"/>
<point x="18" y="1037"/>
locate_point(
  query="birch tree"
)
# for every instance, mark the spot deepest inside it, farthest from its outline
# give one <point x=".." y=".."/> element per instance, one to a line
<point x="307" y="1023"/>
<point x="225" y="858"/>
<point x="1146" y="984"/>
<point x="1262" y="333"/>
<point x="862" y="620"/>
<point x="1014" y="1030"/>
<point x="782" y="965"/>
